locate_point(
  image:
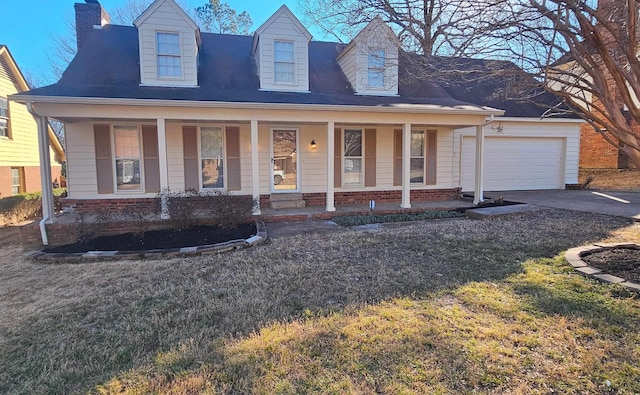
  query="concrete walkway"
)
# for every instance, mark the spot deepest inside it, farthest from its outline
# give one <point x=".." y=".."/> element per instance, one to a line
<point x="622" y="204"/>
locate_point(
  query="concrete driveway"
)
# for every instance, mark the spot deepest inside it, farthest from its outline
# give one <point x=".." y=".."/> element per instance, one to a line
<point x="622" y="204"/>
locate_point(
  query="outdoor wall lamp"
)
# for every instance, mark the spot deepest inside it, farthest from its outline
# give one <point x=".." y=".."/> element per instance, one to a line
<point x="313" y="144"/>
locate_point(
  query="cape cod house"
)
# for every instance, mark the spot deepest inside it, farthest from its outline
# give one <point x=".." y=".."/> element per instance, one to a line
<point x="160" y="105"/>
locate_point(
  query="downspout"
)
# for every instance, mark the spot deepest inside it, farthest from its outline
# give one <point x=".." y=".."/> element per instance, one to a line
<point x="45" y="172"/>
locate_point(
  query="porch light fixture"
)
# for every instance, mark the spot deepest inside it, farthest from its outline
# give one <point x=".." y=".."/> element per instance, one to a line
<point x="313" y="144"/>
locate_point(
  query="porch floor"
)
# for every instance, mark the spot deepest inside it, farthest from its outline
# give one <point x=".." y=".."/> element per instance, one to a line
<point x="319" y="212"/>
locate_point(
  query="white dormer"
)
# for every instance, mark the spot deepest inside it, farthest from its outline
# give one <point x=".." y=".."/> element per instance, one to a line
<point x="370" y="61"/>
<point x="281" y="50"/>
<point x="168" y="43"/>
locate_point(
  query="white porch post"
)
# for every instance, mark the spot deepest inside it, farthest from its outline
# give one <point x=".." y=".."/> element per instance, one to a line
<point x="164" y="167"/>
<point x="330" y="166"/>
<point x="406" y="166"/>
<point x="478" y="195"/>
<point x="255" y="168"/>
<point x="48" y="212"/>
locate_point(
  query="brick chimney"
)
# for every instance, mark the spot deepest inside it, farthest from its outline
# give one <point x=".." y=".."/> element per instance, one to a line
<point x="88" y="15"/>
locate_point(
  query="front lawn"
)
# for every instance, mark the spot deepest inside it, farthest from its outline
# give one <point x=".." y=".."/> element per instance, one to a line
<point x="427" y="307"/>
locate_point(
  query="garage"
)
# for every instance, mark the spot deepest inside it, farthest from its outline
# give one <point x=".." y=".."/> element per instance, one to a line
<point x="515" y="163"/>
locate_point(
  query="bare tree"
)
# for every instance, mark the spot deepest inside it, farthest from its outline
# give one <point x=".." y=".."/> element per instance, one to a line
<point x="219" y="17"/>
<point x="428" y="27"/>
<point x="584" y="53"/>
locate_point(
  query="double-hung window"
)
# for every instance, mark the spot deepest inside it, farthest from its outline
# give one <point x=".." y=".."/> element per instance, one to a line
<point x="168" y="54"/>
<point x="375" y="69"/>
<point x="17" y="177"/>
<point x="417" y="156"/>
<point x="4" y="117"/>
<point x="284" y="64"/>
<point x="353" y="157"/>
<point x="127" y="157"/>
<point x="212" y="157"/>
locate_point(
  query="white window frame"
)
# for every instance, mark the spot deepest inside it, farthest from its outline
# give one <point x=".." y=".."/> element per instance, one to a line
<point x="5" y="116"/>
<point x="19" y="185"/>
<point x="361" y="157"/>
<point x="114" y="157"/>
<point x="292" y="62"/>
<point x="423" y="155"/>
<point x="201" y="158"/>
<point x="374" y="68"/>
<point x="179" y="56"/>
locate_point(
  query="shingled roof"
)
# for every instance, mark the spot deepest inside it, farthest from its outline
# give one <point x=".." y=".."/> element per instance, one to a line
<point x="108" y="67"/>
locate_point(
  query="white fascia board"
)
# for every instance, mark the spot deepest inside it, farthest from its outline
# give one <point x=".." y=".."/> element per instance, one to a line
<point x="537" y="119"/>
<point x="397" y="108"/>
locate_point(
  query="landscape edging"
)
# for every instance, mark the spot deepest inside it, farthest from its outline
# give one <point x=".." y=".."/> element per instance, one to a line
<point x="95" y="256"/>
<point x="574" y="257"/>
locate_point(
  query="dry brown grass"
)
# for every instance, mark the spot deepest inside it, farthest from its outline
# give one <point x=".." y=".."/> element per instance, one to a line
<point x="447" y="306"/>
<point x="611" y="180"/>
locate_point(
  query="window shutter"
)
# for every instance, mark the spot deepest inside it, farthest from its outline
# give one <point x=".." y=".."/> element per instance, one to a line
<point x="337" y="161"/>
<point x="151" y="160"/>
<point x="397" y="157"/>
<point x="370" y="158"/>
<point x="232" y="136"/>
<point x="104" y="161"/>
<point x="191" y="165"/>
<point x="431" y="157"/>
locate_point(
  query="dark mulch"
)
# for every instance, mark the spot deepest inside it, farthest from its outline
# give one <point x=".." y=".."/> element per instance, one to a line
<point x="161" y="239"/>
<point x="621" y="262"/>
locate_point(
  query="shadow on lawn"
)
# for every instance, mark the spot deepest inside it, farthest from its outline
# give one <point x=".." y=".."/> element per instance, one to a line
<point x="155" y="326"/>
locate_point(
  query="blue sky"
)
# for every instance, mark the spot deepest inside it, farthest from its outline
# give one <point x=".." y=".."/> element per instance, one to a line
<point x="28" y="26"/>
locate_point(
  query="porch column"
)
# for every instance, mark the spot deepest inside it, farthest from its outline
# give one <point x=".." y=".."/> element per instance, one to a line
<point x="164" y="167"/>
<point x="478" y="195"/>
<point x="255" y="168"/>
<point x="406" y="166"/>
<point x="331" y="136"/>
<point x="48" y="212"/>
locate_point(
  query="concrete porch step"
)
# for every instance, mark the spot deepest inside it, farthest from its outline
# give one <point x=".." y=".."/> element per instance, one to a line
<point x="286" y="200"/>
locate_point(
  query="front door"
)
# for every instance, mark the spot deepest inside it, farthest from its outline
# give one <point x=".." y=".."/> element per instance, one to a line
<point x="284" y="160"/>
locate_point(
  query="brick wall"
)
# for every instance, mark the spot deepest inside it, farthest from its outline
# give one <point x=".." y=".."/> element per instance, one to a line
<point x="346" y="198"/>
<point x="595" y="151"/>
<point x="31" y="179"/>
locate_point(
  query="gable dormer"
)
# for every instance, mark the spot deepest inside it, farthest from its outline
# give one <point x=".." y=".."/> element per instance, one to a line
<point x="281" y="50"/>
<point x="168" y="43"/>
<point x="370" y="61"/>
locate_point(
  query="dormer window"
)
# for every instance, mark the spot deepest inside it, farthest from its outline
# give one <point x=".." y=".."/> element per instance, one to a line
<point x="284" y="63"/>
<point x="375" y="70"/>
<point x="168" y="54"/>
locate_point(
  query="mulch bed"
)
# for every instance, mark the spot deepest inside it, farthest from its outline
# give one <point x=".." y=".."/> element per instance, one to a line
<point x="621" y="262"/>
<point x="161" y="239"/>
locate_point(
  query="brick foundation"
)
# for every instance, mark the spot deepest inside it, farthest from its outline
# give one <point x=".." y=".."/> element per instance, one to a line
<point x="347" y="198"/>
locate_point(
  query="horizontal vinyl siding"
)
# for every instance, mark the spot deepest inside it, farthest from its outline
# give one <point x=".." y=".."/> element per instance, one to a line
<point x="175" y="156"/>
<point x="312" y="163"/>
<point x="165" y="19"/>
<point x="81" y="160"/>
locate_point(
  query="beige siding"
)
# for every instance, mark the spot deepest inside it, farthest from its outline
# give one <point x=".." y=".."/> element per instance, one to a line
<point x="312" y="163"/>
<point x="355" y="61"/>
<point x="81" y="160"/>
<point x="165" y="19"/>
<point x="175" y="156"/>
<point x="283" y="28"/>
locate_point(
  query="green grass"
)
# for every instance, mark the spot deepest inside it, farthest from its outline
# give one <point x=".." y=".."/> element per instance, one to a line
<point x="355" y="220"/>
<point x="435" y="307"/>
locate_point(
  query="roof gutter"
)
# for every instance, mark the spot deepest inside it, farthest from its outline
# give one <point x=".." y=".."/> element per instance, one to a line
<point x="45" y="172"/>
<point x="402" y="108"/>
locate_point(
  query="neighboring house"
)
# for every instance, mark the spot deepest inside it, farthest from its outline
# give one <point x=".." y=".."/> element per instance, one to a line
<point x="160" y="105"/>
<point x="19" y="158"/>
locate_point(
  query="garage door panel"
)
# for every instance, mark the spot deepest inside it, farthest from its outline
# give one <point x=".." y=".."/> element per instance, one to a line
<point x="514" y="163"/>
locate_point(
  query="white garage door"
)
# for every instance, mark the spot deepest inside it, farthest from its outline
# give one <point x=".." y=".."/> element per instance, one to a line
<point x="515" y="163"/>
